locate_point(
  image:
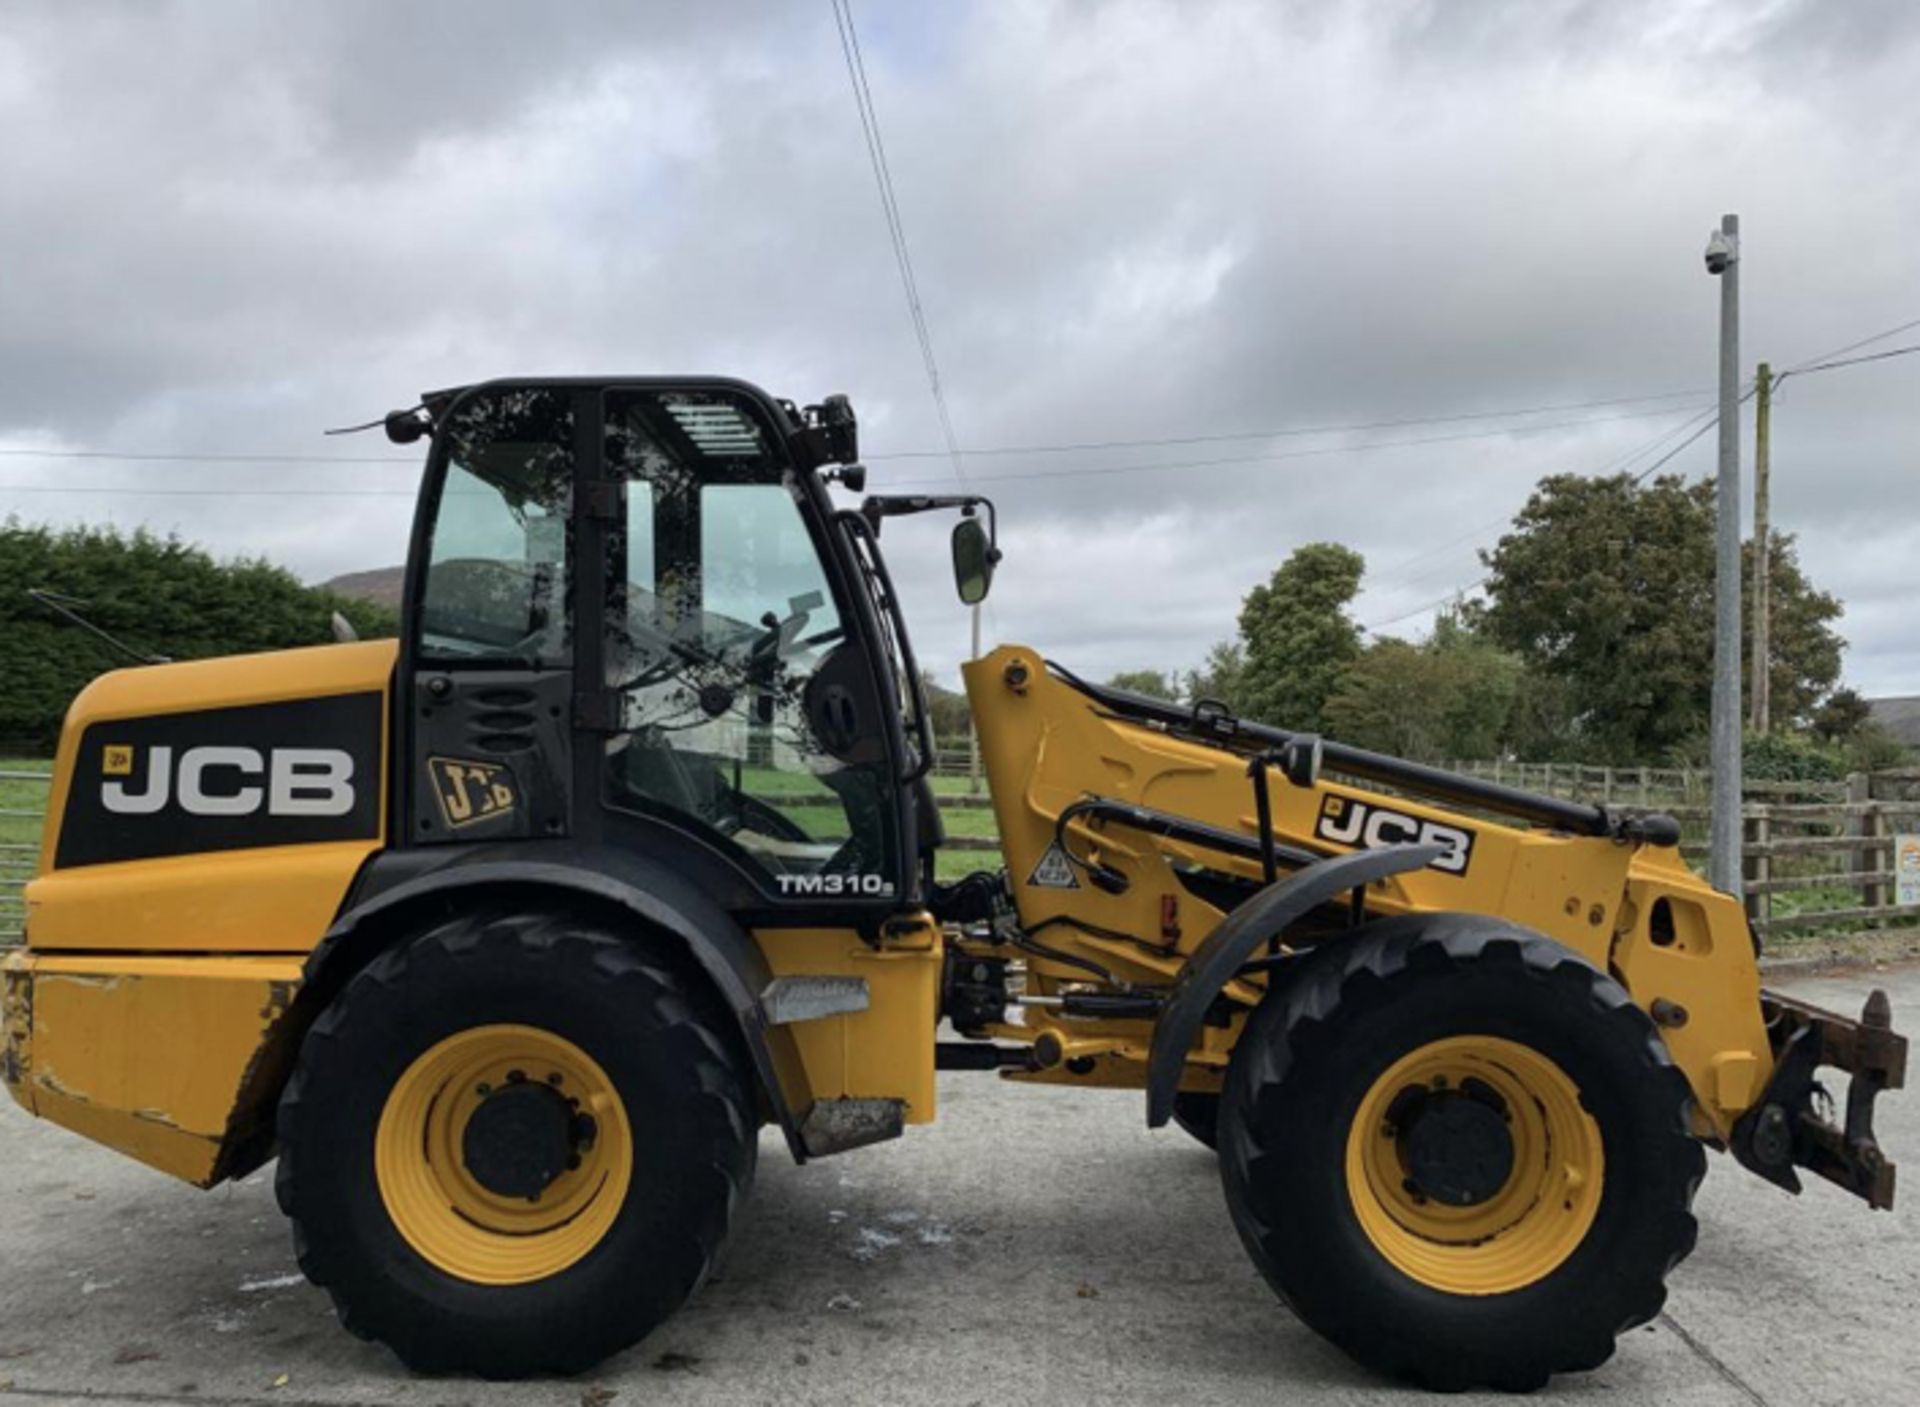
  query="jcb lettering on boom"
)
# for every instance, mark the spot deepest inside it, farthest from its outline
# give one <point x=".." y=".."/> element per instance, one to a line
<point x="1367" y="826"/>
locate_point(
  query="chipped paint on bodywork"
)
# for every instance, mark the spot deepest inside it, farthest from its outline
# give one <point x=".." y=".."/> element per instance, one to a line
<point x="16" y="1054"/>
<point x="280" y="996"/>
<point x="170" y="1060"/>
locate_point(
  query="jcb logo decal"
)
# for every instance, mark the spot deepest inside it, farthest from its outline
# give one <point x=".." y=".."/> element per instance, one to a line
<point x="228" y="781"/>
<point x="1363" y="826"/>
<point x="471" y="791"/>
<point x="288" y="772"/>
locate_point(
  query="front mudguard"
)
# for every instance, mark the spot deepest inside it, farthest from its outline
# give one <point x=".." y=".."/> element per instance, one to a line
<point x="1226" y="950"/>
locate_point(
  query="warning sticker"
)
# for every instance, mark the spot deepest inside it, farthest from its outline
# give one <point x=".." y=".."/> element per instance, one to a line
<point x="1055" y="871"/>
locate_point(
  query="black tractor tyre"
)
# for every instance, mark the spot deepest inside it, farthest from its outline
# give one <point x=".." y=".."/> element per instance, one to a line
<point x="1199" y="1116"/>
<point x="663" y="1043"/>
<point x="1301" y="1072"/>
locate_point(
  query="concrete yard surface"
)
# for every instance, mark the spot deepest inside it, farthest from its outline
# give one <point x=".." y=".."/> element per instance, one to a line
<point x="1035" y="1245"/>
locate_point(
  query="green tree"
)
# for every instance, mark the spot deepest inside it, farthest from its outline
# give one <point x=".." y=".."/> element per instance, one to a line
<point x="947" y="712"/>
<point x="1297" y="636"/>
<point x="1803" y="649"/>
<point x="1873" y="748"/>
<point x="1843" y="714"/>
<point x="1604" y="589"/>
<point x="1451" y="696"/>
<point x="1219" y="676"/>
<point x="159" y="595"/>
<point x="1150" y="682"/>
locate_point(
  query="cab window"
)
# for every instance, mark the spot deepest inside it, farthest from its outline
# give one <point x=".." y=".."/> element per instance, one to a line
<point x="496" y="582"/>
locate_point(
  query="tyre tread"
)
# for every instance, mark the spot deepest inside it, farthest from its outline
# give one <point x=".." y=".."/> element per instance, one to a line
<point x="662" y="1002"/>
<point x="1422" y="948"/>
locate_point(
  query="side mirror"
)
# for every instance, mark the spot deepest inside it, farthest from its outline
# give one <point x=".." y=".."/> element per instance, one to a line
<point x="973" y="559"/>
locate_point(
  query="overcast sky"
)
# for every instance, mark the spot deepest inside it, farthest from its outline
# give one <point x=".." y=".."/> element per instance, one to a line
<point x="226" y="226"/>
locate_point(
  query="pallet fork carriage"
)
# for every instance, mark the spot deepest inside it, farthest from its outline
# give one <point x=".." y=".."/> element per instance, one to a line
<point x="507" y="937"/>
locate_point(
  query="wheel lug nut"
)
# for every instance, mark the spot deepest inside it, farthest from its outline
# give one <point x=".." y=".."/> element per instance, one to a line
<point x="483" y="1089"/>
<point x="516" y="1077"/>
<point x="554" y="1078"/>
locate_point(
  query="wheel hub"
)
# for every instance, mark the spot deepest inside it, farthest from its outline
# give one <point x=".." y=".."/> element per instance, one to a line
<point x="1455" y="1145"/>
<point x="520" y="1140"/>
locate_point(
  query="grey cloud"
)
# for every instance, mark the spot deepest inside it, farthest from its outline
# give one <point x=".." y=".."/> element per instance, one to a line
<point x="223" y="228"/>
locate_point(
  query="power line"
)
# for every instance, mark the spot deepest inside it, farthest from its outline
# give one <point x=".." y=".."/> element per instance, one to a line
<point x="1476" y="584"/>
<point x="896" y="227"/>
<point x="128" y="491"/>
<point x="1638" y="478"/>
<point x="1292" y="431"/>
<point x="1317" y="451"/>
<point x="1647" y="472"/>
<point x="1452" y="595"/>
<point x="1850" y="361"/>
<point x="1396" y="573"/>
<point x="1856" y="346"/>
<point x="1831" y="361"/>
<point x="1356" y="427"/>
<point x="139" y="456"/>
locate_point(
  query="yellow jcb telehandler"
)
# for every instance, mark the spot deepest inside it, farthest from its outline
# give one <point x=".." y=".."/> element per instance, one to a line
<point x="507" y="939"/>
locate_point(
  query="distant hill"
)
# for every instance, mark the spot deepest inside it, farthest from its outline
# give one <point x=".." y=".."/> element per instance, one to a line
<point x="1899" y="716"/>
<point x="382" y="586"/>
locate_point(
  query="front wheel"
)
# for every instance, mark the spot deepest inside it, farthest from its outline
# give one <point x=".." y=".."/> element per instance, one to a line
<point x="1461" y="1153"/>
<point x="513" y="1145"/>
<point x="1198" y="1116"/>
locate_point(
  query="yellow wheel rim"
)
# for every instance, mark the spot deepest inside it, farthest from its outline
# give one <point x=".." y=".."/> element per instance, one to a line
<point x="440" y="1207"/>
<point x="1520" y="1233"/>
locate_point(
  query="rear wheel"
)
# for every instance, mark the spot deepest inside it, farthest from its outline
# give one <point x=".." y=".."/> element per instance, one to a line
<point x="514" y="1145"/>
<point x="1461" y="1153"/>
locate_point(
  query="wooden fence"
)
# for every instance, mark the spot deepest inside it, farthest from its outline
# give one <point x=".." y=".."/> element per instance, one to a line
<point x="22" y="799"/>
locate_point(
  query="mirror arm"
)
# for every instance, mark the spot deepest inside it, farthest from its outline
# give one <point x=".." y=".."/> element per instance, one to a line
<point x="899" y="505"/>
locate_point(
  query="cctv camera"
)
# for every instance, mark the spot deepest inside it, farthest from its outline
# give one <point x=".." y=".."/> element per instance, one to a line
<point x="1721" y="253"/>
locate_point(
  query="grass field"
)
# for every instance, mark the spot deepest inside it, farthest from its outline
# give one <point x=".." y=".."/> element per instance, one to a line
<point x="16" y="864"/>
<point x="21" y="796"/>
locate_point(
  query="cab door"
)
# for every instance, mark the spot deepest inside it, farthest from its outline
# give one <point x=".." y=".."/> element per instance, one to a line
<point x="743" y="720"/>
<point x="488" y="639"/>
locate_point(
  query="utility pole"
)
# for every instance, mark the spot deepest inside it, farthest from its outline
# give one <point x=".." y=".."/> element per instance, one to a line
<point x="1762" y="548"/>
<point x="1723" y="871"/>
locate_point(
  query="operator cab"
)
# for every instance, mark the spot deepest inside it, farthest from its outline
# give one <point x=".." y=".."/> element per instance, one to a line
<point x="635" y="617"/>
